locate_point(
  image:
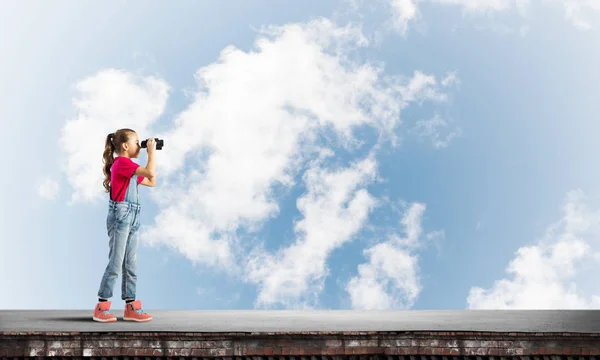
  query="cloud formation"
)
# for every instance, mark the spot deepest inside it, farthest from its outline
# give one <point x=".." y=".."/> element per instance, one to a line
<point x="334" y="208"/>
<point x="298" y="88"/>
<point x="560" y="271"/>
<point x="582" y="14"/>
<point x="390" y="278"/>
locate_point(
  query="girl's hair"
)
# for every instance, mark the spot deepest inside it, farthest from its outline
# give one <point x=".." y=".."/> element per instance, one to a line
<point x="114" y="142"/>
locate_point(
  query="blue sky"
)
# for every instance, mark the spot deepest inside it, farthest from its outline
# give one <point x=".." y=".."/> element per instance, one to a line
<point x="292" y="155"/>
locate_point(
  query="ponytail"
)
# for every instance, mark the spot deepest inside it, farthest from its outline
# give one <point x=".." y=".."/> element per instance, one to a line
<point x="108" y="160"/>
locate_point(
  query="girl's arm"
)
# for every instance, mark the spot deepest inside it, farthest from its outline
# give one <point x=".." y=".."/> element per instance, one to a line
<point x="151" y="182"/>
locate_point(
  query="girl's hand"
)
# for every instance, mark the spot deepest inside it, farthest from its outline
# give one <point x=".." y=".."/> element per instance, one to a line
<point x="151" y="145"/>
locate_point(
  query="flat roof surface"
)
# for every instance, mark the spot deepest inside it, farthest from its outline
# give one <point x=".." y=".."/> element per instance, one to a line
<point x="587" y="321"/>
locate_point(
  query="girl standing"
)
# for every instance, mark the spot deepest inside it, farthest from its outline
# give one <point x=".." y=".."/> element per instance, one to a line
<point x="122" y="177"/>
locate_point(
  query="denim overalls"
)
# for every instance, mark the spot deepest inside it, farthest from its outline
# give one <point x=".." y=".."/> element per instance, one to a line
<point x="122" y="223"/>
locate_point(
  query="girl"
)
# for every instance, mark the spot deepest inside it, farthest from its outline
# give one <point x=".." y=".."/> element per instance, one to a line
<point x="122" y="177"/>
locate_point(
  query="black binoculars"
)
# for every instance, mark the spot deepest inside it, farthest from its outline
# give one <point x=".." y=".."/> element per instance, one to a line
<point x="159" y="143"/>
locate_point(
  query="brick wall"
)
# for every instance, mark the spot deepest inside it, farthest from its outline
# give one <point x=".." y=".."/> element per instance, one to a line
<point x="302" y="346"/>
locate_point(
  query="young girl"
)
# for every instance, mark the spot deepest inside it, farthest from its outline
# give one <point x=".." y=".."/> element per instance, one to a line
<point x="122" y="177"/>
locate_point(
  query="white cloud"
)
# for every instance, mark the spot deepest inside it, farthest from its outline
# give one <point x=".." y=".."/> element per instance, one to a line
<point x="580" y="13"/>
<point x="431" y="129"/>
<point x="335" y="207"/>
<point x="109" y="100"/>
<point x="474" y="6"/>
<point x="450" y="79"/>
<point x="255" y="121"/>
<point x="404" y="12"/>
<point x="390" y="278"/>
<point x="48" y="189"/>
<point x="559" y="272"/>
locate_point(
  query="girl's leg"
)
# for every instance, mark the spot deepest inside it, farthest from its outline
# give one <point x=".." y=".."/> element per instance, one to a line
<point x="128" y="286"/>
<point x="118" y="226"/>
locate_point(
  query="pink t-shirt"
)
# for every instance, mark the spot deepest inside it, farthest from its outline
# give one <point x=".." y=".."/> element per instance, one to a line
<point x="121" y="171"/>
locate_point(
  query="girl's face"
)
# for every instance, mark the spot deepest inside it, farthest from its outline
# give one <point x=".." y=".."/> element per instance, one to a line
<point x="132" y="147"/>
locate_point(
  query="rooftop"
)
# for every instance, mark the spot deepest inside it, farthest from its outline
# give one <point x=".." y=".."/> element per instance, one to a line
<point x="586" y="321"/>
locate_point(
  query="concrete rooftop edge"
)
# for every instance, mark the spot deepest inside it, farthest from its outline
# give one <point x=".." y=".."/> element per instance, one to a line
<point x="311" y="321"/>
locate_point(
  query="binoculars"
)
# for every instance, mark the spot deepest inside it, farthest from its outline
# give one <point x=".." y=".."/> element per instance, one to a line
<point x="159" y="143"/>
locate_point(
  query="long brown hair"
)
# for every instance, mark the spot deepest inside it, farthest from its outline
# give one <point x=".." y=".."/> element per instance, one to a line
<point x="113" y="142"/>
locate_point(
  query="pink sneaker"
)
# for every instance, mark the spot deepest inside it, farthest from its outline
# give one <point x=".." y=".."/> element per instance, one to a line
<point x="133" y="312"/>
<point x="101" y="313"/>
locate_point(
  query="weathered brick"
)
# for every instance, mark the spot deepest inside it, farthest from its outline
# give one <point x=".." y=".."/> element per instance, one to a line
<point x="147" y="352"/>
<point x="154" y="344"/>
<point x="55" y="345"/>
<point x="90" y="344"/>
<point x="429" y="343"/>
<point x="174" y="345"/>
<point x="394" y="343"/>
<point x="473" y="351"/>
<point x="69" y="352"/>
<point x="32" y="352"/>
<point x="106" y="343"/>
<point x="489" y="344"/>
<point x="361" y="343"/>
<point x="200" y="352"/>
<point x="449" y="343"/>
<point x="139" y="343"/>
<point x="471" y="343"/>
<point x="361" y="350"/>
<point x="494" y="352"/>
<point x="505" y="344"/>
<point x="220" y="352"/>
<point x="34" y="344"/>
<point x="507" y="352"/>
<point x="19" y="352"/>
<point x="157" y="352"/>
<point x="172" y="352"/>
<point x="252" y="343"/>
<point x="223" y="344"/>
<point x="333" y="343"/>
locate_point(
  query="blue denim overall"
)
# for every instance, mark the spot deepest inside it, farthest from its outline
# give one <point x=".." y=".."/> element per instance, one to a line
<point x="122" y="223"/>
